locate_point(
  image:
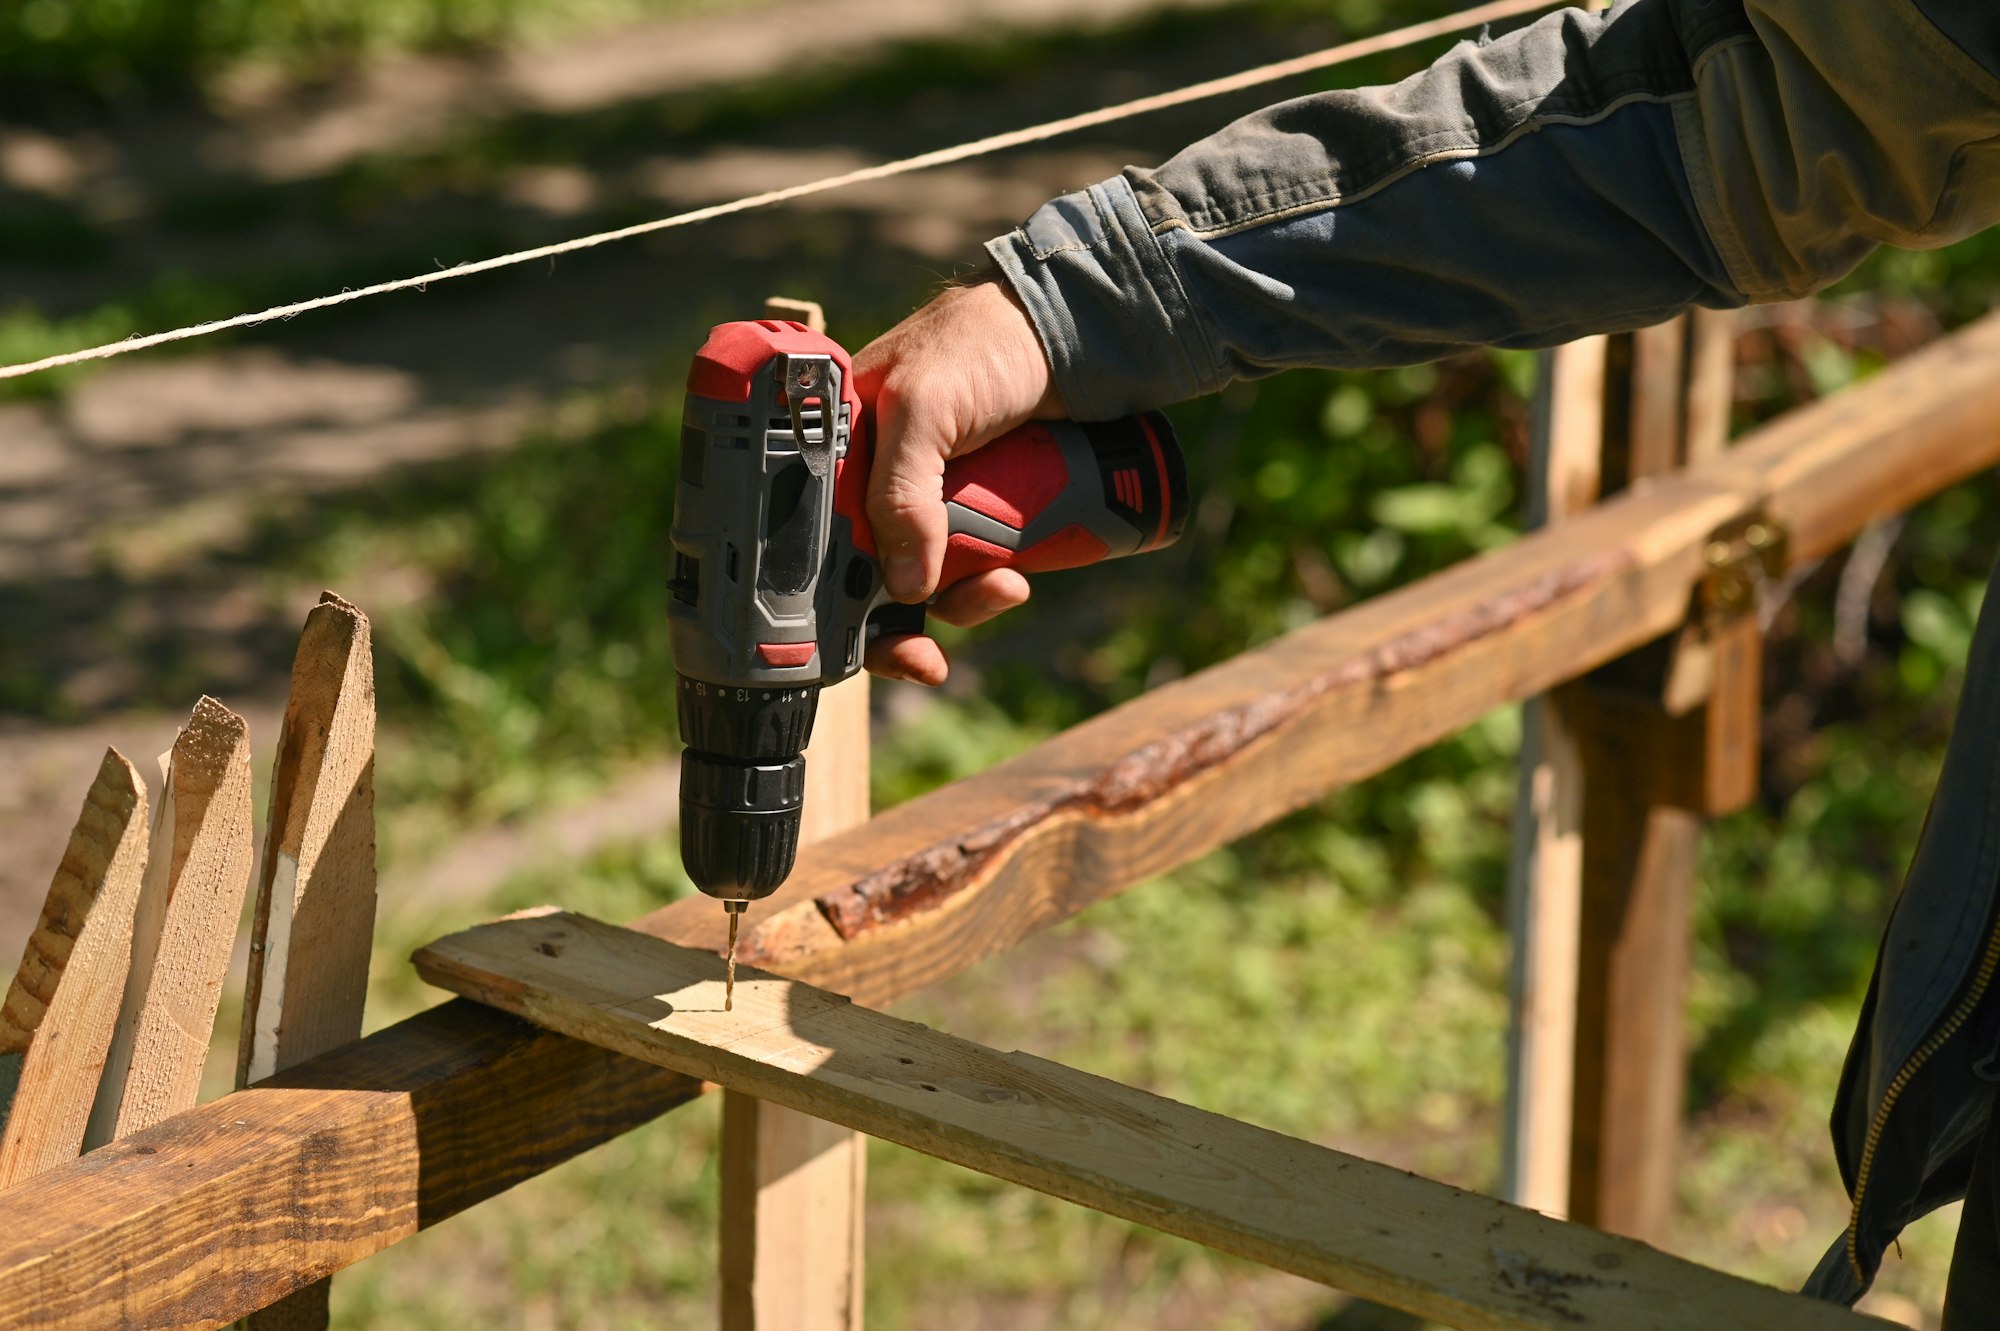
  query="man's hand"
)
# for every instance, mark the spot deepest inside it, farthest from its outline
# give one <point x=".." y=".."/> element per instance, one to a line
<point x="961" y="371"/>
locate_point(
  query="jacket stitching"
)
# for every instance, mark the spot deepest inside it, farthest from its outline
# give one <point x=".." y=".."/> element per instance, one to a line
<point x="1465" y="152"/>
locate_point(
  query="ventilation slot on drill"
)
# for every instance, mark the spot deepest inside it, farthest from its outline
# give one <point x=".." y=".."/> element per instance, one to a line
<point x="686" y="585"/>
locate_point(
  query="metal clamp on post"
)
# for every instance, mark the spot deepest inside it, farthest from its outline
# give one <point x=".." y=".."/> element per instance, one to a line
<point x="1743" y="558"/>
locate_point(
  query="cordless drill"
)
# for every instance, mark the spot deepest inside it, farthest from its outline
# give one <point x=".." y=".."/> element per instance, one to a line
<point x="777" y="589"/>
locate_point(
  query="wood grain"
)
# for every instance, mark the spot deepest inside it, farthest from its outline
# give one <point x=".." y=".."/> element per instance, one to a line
<point x="1386" y="1235"/>
<point x="197" y="873"/>
<point x="315" y="920"/>
<point x="62" y="1004"/>
<point x="488" y="1107"/>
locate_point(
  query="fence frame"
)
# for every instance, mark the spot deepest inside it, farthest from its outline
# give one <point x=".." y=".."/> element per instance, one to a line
<point x="228" y="1207"/>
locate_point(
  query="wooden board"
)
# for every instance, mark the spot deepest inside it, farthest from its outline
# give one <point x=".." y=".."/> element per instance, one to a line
<point x="997" y="857"/>
<point x="197" y="873"/>
<point x="314" y="928"/>
<point x="62" y="1004"/>
<point x="315" y="921"/>
<point x="1381" y="1233"/>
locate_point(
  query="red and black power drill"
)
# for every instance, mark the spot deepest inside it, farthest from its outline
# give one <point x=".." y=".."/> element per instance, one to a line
<point x="776" y="585"/>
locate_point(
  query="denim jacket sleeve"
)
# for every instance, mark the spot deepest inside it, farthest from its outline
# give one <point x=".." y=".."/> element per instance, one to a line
<point x="1584" y="174"/>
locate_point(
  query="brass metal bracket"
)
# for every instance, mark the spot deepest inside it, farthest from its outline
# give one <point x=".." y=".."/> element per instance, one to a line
<point x="1743" y="556"/>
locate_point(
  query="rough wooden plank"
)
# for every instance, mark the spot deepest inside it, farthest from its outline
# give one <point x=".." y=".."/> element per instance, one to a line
<point x="998" y="874"/>
<point x="197" y="873"/>
<point x="315" y="920"/>
<point x="1545" y="869"/>
<point x="62" y="1004"/>
<point x="1384" y="1234"/>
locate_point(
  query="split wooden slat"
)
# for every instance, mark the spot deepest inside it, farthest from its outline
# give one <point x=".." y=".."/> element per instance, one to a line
<point x="62" y="1005"/>
<point x="234" y="1203"/>
<point x="794" y="1187"/>
<point x="197" y="873"/>
<point x="314" y="926"/>
<point x="1381" y="1233"/>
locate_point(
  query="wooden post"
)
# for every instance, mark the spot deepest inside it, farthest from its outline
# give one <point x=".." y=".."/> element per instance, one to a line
<point x="62" y="1005"/>
<point x="1661" y="753"/>
<point x="793" y="1186"/>
<point x="1545" y="873"/>
<point x="315" y="922"/>
<point x="1617" y="772"/>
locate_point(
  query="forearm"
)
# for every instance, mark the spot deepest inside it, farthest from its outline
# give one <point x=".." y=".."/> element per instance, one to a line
<point x="1585" y="174"/>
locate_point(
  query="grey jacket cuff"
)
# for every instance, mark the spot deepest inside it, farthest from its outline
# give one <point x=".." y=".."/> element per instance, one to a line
<point x="1107" y="304"/>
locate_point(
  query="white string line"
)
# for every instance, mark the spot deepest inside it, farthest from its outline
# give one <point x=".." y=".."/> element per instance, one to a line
<point x="1477" y="16"/>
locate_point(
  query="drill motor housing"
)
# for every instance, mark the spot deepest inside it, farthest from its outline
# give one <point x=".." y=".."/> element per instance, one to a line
<point x="777" y="589"/>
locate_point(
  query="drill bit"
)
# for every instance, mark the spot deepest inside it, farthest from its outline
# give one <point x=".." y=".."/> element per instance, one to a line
<point x="735" y="909"/>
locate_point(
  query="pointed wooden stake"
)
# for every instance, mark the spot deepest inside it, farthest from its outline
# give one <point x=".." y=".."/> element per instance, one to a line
<point x="315" y="921"/>
<point x="57" y="1020"/>
<point x="197" y="874"/>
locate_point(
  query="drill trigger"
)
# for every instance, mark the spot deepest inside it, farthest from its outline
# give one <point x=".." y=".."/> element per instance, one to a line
<point x="894" y="620"/>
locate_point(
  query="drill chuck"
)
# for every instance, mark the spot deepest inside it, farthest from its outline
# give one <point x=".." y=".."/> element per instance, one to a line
<point x="743" y="784"/>
<point x="740" y="823"/>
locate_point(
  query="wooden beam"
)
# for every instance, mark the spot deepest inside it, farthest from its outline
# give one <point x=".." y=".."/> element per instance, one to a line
<point x="230" y="1206"/>
<point x="314" y="928"/>
<point x="62" y="1004"/>
<point x="197" y="873"/>
<point x="969" y="870"/>
<point x="794" y="1186"/>
<point x="1381" y="1233"/>
<point x="937" y="884"/>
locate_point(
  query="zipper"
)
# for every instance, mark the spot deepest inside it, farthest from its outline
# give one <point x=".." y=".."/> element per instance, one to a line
<point x="1989" y="961"/>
